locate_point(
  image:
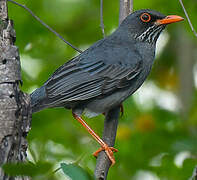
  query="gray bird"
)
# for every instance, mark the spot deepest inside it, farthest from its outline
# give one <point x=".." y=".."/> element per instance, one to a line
<point x="107" y="73"/>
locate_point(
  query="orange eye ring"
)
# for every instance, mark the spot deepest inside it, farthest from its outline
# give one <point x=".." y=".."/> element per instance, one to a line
<point x="145" y="17"/>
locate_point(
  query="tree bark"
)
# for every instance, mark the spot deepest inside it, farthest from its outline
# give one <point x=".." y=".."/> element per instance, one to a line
<point x="15" y="112"/>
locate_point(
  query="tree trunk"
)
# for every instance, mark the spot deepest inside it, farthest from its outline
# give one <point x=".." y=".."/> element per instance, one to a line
<point x="15" y="112"/>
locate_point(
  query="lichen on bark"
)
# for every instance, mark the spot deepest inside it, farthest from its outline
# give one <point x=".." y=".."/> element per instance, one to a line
<point x="15" y="112"/>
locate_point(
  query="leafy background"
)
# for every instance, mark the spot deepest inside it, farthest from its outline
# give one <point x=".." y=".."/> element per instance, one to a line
<point x="156" y="136"/>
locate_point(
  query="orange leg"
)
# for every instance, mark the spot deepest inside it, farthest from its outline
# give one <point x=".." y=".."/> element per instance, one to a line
<point x="104" y="147"/>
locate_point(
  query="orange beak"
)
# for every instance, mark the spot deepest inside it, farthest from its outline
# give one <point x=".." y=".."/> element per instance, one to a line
<point x="169" y="19"/>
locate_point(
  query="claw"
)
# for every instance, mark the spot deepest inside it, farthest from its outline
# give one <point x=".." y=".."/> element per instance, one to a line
<point x="109" y="151"/>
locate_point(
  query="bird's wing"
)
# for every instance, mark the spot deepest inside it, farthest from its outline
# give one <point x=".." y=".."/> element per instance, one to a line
<point x="81" y="81"/>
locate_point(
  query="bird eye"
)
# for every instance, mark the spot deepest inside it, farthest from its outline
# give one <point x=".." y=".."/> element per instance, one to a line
<point x="145" y="17"/>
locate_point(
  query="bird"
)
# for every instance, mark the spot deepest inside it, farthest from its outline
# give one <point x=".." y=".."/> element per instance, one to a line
<point x="107" y="73"/>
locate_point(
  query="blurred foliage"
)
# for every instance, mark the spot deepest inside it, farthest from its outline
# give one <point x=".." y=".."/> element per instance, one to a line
<point x="151" y="138"/>
<point x="38" y="171"/>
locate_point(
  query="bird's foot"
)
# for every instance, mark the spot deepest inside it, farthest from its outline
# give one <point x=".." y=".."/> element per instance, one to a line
<point x="109" y="151"/>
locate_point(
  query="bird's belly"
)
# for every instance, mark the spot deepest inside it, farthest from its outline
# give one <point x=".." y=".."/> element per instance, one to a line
<point x="102" y="105"/>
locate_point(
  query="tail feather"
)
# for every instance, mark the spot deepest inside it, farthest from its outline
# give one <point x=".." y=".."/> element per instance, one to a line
<point x="37" y="99"/>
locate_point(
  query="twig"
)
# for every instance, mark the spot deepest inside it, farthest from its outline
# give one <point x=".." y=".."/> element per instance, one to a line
<point x="187" y="16"/>
<point x="194" y="175"/>
<point x="109" y="135"/>
<point x="44" y="24"/>
<point x="101" y="17"/>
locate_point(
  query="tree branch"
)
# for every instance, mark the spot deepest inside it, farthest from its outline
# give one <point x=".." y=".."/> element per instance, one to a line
<point x="44" y="24"/>
<point x="188" y="19"/>
<point x="130" y="6"/>
<point x="109" y="136"/>
<point x="126" y="7"/>
<point x="101" y="18"/>
<point x="194" y="175"/>
<point x="15" y="112"/>
<point x="111" y="120"/>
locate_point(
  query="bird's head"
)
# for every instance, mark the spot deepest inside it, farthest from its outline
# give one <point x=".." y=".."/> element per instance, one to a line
<point x="146" y="25"/>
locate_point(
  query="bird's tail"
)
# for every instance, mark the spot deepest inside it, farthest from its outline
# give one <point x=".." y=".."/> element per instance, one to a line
<point x="37" y="99"/>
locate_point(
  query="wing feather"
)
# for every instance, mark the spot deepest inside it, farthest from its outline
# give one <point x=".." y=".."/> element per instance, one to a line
<point x="78" y="81"/>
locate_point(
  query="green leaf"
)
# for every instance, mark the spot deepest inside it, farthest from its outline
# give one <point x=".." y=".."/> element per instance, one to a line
<point x="27" y="169"/>
<point x="75" y="172"/>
